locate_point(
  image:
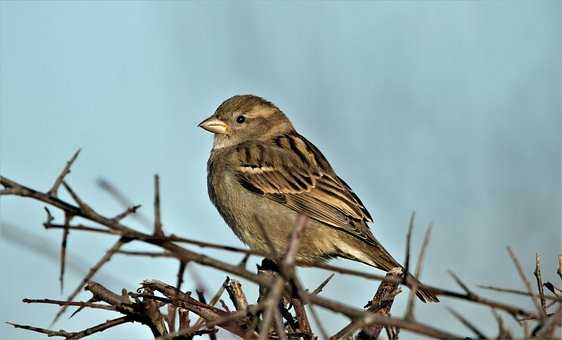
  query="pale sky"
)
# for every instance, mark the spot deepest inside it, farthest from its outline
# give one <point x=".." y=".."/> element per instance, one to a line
<point x="451" y="109"/>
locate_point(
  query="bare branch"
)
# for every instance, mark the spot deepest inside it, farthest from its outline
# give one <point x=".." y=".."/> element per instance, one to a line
<point x="515" y="291"/>
<point x="461" y="284"/>
<point x="559" y="271"/>
<point x="524" y="279"/>
<point x="503" y="333"/>
<point x="158" y="232"/>
<point x="83" y="206"/>
<point x="243" y="321"/>
<point x="106" y="257"/>
<point x="185" y="301"/>
<point x="409" y="242"/>
<point x="409" y="315"/>
<point x="367" y="319"/>
<point x="540" y="286"/>
<point x="114" y="192"/>
<point x="279" y="327"/>
<point x="65" y="171"/>
<point x="171" y="318"/>
<point x="237" y="296"/>
<point x="471" y="296"/>
<point x="467" y="323"/>
<point x="321" y="286"/>
<point x="65" y="233"/>
<point x="179" y="275"/>
<point x="127" y="212"/>
<point x="71" y="303"/>
<point x="303" y="325"/>
<point x="76" y="335"/>
<point x="380" y="305"/>
<point x="547" y="329"/>
<point x="145" y="253"/>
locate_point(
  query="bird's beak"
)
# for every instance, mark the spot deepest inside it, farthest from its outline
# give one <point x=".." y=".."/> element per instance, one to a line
<point x="214" y="125"/>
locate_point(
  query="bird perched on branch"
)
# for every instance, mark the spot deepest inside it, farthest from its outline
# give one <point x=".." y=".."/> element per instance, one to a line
<point x="262" y="174"/>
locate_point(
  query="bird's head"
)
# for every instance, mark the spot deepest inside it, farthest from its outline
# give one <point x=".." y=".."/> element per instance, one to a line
<point x="245" y="118"/>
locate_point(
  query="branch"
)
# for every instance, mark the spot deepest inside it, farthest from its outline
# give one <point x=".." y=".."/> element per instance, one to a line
<point x="70" y="303"/>
<point x="524" y="279"/>
<point x="380" y="305"/>
<point x="157" y="217"/>
<point x="76" y="335"/>
<point x="65" y="171"/>
<point x="106" y="257"/>
<point x="467" y="323"/>
<point x="409" y="315"/>
<point x="540" y="286"/>
<point x="471" y="296"/>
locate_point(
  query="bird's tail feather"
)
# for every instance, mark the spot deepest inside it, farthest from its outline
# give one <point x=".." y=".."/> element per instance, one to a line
<point x="383" y="260"/>
<point x="424" y="293"/>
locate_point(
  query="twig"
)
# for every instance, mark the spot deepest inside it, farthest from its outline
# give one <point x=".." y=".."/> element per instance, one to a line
<point x="145" y="253"/>
<point x="409" y="315"/>
<point x="547" y="329"/>
<point x="76" y="335"/>
<point x="271" y="304"/>
<point x="280" y="329"/>
<point x="65" y="171"/>
<point x="105" y="258"/>
<point x="321" y="286"/>
<point x="559" y="271"/>
<point x="471" y="296"/>
<point x="236" y="294"/>
<point x="306" y="300"/>
<point x="540" y="286"/>
<point x="81" y="204"/>
<point x="367" y="319"/>
<point x="112" y="190"/>
<point x="408" y="243"/>
<point x="182" y="300"/>
<point x="233" y="316"/>
<point x="380" y="304"/>
<point x="70" y="303"/>
<point x="183" y="315"/>
<point x="158" y="232"/>
<point x="127" y="212"/>
<point x="286" y="269"/>
<point x="503" y="333"/>
<point x="201" y="321"/>
<point x="171" y="318"/>
<point x="524" y="279"/>
<point x="467" y="323"/>
<point x="515" y="291"/>
<point x="179" y="275"/>
<point x="65" y="233"/>
<point x="303" y="325"/>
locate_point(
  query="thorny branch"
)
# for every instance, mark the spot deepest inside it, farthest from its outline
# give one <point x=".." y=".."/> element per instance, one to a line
<point x="279" y="315"/>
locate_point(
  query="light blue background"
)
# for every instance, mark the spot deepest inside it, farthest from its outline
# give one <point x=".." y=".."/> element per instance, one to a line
<point x="449" y="108"/>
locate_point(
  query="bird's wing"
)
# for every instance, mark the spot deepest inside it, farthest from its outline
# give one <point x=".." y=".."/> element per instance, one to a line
<point x="292" y="171"/>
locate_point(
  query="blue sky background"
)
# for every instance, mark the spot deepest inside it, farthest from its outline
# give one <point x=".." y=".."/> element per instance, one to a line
<point x="449" y="108"/>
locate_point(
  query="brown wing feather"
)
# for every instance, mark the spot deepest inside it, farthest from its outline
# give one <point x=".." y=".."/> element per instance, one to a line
<point x="294" y="172"/>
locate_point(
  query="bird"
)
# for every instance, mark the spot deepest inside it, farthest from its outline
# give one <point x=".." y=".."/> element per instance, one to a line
<point x="262" y="174"/>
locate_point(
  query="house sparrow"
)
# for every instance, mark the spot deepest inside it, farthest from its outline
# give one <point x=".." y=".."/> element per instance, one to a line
<point x="262" y="174"/>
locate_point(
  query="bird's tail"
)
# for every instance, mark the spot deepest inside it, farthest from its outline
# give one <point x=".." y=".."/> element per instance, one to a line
<point x="383" y="260"/>
<point x="422" y="292"/>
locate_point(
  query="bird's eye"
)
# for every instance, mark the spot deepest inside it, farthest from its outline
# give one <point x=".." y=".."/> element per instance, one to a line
<point x="240" y="119"/>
